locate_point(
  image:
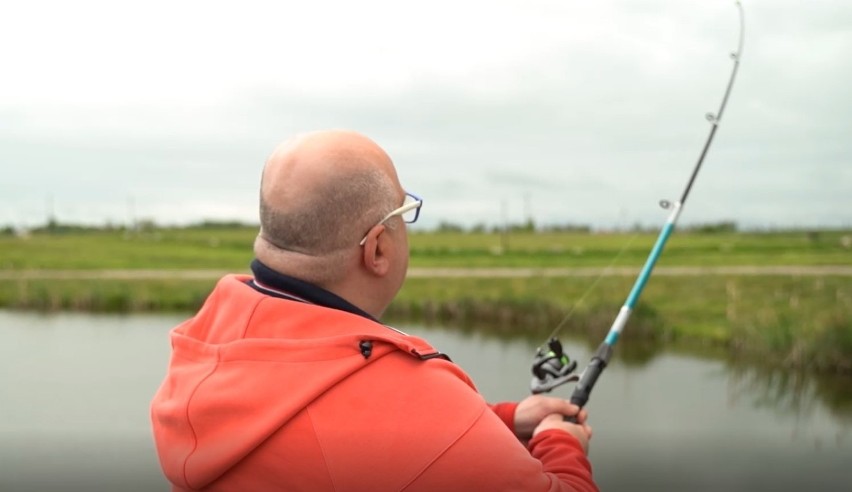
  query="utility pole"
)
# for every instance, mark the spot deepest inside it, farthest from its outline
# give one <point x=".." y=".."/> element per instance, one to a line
<point x="504" y="237"/>
<point x="50" y="219"/>
<point x="131" y="214"/>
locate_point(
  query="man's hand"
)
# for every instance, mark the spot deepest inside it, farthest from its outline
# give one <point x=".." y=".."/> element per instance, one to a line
<point x="538" y="413"/>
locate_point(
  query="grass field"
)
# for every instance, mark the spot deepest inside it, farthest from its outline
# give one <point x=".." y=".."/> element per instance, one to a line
<point x="230" y="249"/>
<point x="800" y="320"/>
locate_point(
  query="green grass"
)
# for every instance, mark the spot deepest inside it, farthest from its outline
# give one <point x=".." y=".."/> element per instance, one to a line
<point x="230" y="249"/>
<point x="161" y="249"/>
<point x="582" y="249"/>
<point x="801" y="321"/>
<point x="105" y="295"/>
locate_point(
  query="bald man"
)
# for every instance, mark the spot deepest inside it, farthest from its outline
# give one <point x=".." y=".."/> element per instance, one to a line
<point x="286" y="379"/>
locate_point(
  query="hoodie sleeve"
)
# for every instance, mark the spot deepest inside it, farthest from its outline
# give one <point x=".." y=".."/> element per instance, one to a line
<point x="486" y="457"/>
<point x="562" y="455"/>
<point x="506" y="412"/>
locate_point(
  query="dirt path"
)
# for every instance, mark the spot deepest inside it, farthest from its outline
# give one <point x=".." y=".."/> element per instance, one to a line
<point x="631" y="271"/>
<point x="446" y="272"/>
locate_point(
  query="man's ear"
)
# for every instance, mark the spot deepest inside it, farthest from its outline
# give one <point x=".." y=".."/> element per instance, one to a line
<point x="376" y="249"/>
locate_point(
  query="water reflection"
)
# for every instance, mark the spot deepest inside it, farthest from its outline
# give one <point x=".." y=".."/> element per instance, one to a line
<point x="75" y="390"/>
<point x="791" y="392"/>
<point x="777" y="389"/>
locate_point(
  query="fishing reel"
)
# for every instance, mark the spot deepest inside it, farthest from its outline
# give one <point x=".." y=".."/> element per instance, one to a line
<point x="551" y="368"/>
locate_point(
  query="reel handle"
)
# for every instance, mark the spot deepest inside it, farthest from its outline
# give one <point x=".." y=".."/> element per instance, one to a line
<point x="588" y="378"/>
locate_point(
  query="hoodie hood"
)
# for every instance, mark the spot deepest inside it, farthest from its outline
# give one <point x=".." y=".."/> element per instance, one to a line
<point x="246" y="365"/>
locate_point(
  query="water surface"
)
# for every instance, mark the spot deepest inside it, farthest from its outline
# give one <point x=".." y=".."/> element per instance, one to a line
<point x="75" y="389"/>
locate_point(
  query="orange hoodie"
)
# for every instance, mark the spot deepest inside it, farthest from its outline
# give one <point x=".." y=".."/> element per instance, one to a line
<point x="264" y="393"/>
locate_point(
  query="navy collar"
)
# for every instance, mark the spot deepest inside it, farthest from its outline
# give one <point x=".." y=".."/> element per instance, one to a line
<point x="268" y="281"/>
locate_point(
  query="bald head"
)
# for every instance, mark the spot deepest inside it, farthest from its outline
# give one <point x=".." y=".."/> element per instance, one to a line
<point x="320" y="192"/>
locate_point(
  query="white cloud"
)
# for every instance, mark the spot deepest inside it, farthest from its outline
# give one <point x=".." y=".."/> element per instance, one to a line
<point x="594" y="108"/>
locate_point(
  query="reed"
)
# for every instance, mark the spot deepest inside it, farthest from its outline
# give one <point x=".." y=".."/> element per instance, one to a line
<point x="121" y="296"/>
<point x="798" y="321"/>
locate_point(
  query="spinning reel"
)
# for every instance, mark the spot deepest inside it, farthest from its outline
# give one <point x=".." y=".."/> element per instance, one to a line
<point x="552" y="368"/>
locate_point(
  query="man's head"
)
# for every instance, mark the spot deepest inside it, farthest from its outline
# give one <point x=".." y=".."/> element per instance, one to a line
<point x="322" y="193"/>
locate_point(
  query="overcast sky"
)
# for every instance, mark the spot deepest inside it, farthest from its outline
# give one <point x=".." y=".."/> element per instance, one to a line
<point x="584" y="112"/>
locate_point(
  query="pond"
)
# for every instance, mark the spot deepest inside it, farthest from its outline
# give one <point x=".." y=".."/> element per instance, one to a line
<point x="75" y="389"/>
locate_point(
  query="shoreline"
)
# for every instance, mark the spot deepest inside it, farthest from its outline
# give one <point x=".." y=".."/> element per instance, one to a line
<point x="445" y="272"/>
<point x="797" y="317"/>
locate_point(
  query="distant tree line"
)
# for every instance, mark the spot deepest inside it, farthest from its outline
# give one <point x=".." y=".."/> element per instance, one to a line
<point x="527" y="226"/>
<point x="53" y="226"/>
<point x="713" y="227"/>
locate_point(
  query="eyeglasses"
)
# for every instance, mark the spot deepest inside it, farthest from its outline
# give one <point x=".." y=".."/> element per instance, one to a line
<point x="409" y="211"/>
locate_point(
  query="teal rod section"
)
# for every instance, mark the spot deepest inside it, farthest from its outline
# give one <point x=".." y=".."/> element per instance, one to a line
<point x="649" y="265"/>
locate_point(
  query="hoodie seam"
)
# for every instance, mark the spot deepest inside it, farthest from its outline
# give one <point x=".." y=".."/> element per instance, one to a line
<point x="250" y="316"/>
<point x="444" y="451"/>
<point x="189" y="422"/>
<point x="321" y="447"/>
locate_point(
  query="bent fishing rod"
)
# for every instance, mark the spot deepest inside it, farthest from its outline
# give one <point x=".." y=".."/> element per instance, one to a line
<point x="551" y="367"/>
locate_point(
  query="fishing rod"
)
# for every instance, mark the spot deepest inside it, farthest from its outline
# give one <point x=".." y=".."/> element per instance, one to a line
<point x="551" y="366"/>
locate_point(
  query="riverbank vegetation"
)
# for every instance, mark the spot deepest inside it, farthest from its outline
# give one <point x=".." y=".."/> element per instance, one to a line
<point x="800" y="319"/>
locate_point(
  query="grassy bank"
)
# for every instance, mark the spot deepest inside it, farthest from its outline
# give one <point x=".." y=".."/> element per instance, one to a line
<point x="230" y="249"/>
<point x="800" y="320"/>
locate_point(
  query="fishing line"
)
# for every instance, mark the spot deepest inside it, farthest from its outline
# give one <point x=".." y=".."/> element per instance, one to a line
<point x="605" y="272"/>
<point x="551" y="367"/>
